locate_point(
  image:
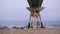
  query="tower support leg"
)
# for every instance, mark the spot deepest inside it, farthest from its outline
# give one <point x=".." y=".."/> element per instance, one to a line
<point x="41" y="21"/>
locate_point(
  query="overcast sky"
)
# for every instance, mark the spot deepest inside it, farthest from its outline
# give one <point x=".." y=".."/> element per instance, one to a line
<point x="16" y="10"/>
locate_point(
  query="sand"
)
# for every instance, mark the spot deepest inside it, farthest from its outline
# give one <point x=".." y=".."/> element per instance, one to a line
<point x="32" y="31"/>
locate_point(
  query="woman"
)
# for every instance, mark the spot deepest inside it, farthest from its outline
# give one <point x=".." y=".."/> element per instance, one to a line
<point x="34" y="18"/>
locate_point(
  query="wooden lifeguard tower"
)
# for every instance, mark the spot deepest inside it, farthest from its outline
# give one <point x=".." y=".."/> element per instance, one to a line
<point x="35" y="8"/>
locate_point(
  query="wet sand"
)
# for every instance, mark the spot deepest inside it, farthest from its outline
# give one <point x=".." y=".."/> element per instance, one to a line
<point x="32" y="31"/>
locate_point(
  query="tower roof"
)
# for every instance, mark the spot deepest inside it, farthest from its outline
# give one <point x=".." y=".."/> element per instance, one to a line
<point x="35" y="3"/>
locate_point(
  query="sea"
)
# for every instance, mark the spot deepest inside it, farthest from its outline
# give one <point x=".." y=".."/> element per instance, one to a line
<point x="50" y="24"/>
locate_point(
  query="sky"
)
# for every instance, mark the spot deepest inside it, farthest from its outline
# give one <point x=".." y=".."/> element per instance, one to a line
<point x="15" y="10"/>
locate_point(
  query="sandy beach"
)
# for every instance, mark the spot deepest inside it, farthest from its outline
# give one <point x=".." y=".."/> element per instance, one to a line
<point x="32" y="31"/>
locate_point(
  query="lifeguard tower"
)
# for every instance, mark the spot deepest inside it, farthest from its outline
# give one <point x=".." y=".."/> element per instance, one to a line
<point x="35" y="17"/>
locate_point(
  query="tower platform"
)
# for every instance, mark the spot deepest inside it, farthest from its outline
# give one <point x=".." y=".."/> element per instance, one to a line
<point x="38" y="9"/>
